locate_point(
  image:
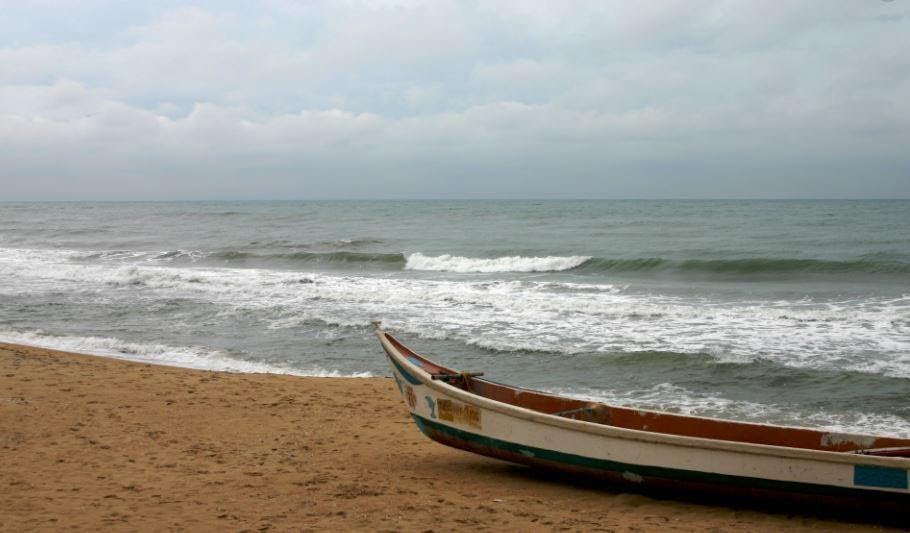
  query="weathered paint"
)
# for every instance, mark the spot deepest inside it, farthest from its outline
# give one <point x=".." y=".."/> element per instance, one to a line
<point x="459" y="413"/>
<point x="839" y="440"/>
<point x="410" y="396"/>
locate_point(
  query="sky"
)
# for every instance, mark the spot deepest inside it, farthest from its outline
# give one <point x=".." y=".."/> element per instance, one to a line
<point x="161" y="100"/>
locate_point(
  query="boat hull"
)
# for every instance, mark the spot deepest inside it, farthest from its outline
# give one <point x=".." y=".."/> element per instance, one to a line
<point x="459" y="419"/>
<point x="670" y="481"/>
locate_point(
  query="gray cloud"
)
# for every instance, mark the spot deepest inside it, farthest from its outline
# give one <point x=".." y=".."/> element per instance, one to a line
<point x="412" y="99"/>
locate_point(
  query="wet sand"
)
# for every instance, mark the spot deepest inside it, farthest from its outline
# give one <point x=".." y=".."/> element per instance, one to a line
<point x="97" y="443"/>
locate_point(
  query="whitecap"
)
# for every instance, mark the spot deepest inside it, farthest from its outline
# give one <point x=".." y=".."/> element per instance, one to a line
<point x="453" y="263"/>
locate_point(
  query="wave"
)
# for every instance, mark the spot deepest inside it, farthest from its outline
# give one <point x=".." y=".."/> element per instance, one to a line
<point x="332" y="253"/>
<point x="382" y="260"/>
<point x="378" y="260"/>
<point x="863" y="334"/>
<point x="165" y="256"/>
<point x="746" y="268"/>
<point x="754" y="266"/>
<point x="451" y="263"/>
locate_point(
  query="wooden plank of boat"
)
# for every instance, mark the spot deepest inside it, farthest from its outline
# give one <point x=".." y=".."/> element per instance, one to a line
<point x="644" y="447"/>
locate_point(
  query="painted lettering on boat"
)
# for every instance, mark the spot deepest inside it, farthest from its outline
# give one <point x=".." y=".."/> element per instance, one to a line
<point x="410" y="396"/>
<point x="459" y="413"/>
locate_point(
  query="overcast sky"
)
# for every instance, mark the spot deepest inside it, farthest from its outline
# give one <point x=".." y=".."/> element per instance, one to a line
<point x="400" y="99"/>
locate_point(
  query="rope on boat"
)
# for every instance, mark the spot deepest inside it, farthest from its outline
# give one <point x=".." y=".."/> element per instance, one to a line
<point x="452" y="379"/>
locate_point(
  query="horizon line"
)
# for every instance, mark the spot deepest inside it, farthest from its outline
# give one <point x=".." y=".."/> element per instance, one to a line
<point x="458" y="199"/>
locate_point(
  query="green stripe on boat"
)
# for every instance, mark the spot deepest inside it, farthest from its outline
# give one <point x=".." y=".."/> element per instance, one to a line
<point x="632" y="471"/>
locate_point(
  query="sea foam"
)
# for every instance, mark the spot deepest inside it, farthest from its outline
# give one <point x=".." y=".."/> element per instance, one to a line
<point x="196" y="357"/>
<point x="867" y="335"/>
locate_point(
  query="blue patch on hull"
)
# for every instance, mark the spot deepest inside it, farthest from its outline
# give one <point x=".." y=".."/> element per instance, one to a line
<point x="880" y="476"/>
<point x="404" y="373"/>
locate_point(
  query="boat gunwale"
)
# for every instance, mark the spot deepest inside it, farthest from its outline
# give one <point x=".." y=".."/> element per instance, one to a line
<point x="669" y="439"/>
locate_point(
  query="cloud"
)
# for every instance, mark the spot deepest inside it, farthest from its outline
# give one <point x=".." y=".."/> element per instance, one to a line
<point x="707" y="98"/>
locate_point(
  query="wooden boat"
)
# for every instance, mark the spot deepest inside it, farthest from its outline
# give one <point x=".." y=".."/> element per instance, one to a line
<point x="647" y="448"/>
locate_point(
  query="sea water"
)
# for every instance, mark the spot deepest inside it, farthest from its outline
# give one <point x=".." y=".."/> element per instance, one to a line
<point x="793" y="312"/>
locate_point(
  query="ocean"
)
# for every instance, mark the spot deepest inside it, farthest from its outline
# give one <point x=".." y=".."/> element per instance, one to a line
<point x="791" y="312"/>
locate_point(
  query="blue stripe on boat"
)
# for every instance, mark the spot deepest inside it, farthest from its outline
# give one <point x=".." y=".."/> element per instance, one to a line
<point x="404" y="373"/>
<point x="880" y="476"/>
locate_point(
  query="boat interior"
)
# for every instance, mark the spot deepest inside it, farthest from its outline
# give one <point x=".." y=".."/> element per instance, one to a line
<point x="660" y="422"/>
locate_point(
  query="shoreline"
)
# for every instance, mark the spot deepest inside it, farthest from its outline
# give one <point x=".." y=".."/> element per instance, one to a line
<point x="222" y="363"/>
<point x="91" y="441"/>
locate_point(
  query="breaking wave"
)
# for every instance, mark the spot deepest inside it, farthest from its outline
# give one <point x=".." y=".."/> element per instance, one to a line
<point x="451" y="263"/>
<point x="328" y="254"/>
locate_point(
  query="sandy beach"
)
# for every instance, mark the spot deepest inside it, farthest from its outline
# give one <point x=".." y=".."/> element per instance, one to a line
<point x="90" y="442"/>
